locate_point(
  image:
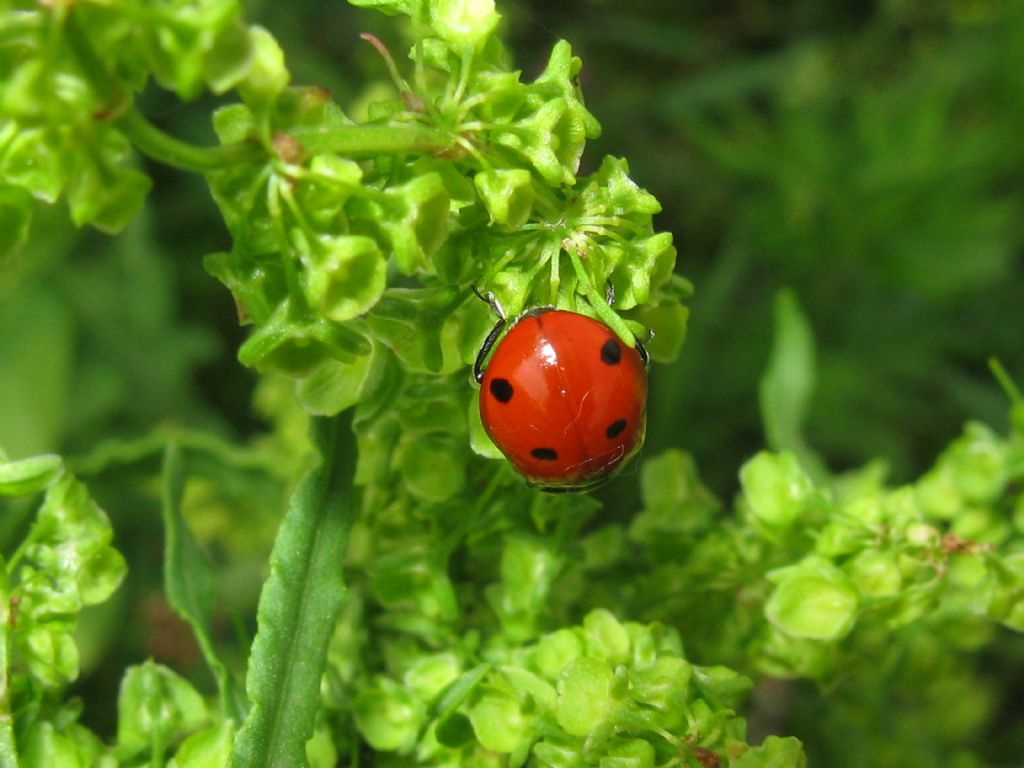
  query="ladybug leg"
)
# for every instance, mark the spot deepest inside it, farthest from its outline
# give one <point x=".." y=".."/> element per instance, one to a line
<point x="609" y="293"/>
<point x="485" y="349"/>
<point x="489" y="300"/>
<point x="642" y="350"/>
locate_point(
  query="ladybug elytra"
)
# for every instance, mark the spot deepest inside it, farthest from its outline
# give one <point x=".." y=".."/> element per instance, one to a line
<point x="563" y="398"/>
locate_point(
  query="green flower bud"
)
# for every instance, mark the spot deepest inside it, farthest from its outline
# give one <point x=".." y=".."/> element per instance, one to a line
<point x="507" y="194"/>
<point x="104" y="194"/>
<point x="813" y="600"/>
<point x="552" y="139"/>
<point x="1006" y="594"/>
<point x="979" y="464"/>
<point x="414" y="218"/>
<point x="498" y="722"/>
<point x="937" y="492"/>
<point x="874" y="574"/>
<point x="775" y="489"/>
<point x="584" y="695"/>
<point x="344" y="276"/>
<point x="628" y="753"/>
<point x="605" y="637"/>
<point x="463" y="24"/>
<point x="267" y="76"/>
<point x="554" y="651"/>
<point x="51" y="653"/>
<point x="298" y="346"/>
<point x="433" y="468"/>
<point x="227" y="60"/>
<point x="388" y="717"/>
<point x="776" y="752"/>
<point x="32" y="160"/>
<point x="154" y="705"/>
<point x="208" y="748"/>
<point x="429" y="675"/>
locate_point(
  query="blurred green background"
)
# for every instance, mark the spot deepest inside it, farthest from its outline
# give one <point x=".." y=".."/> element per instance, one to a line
<point x="867" y="155"/>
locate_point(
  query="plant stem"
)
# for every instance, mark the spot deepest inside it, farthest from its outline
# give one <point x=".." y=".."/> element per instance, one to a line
<point x="166" y="149"/>
<point x="362" y="140"/>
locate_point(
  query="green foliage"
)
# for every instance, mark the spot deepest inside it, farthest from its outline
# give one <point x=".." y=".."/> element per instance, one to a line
<point x="421" y="604"/>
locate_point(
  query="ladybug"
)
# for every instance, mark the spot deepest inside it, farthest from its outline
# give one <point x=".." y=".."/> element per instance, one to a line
<point x="562" y="397"/>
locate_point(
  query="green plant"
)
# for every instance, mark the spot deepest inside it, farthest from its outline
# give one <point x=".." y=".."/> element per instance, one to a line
<point x="422" y="605"/>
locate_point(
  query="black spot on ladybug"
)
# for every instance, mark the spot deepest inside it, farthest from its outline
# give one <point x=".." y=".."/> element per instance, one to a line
<point x="544" y="454"/>
<point x="615" y="428"/>
<point x="501" y="390"/>
<point x="611" y="352"/>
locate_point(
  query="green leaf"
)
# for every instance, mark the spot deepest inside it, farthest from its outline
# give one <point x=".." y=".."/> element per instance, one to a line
<point x="299" y="606"/>
<point x="188" y="580"/>
<point x="208" y="748"/>
<point x="813" y="600"/>
<point x="463" y="24"/>
<point x="28" y="476"/>
<point x="388" y="717"/>
<point x="267" y="75"/>
<point x="452" y="697"/>
<point x="775" y="488"/>
<point x="106" y="194"/>
<point x="584" y="695"/>
<point x="344" y="276"/>
<point x="788" y="383"/>
<point x="776" y="752"/>
<point x="154" y="707"/>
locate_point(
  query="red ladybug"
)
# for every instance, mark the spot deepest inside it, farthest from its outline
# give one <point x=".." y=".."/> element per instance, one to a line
<point x="563" y="398"/>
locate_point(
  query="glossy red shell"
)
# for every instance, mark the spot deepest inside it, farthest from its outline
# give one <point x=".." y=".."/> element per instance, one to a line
<point x="564" y="399"/>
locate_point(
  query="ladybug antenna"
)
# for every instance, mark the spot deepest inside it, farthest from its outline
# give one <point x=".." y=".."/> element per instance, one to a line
<point x="489" y="299"/>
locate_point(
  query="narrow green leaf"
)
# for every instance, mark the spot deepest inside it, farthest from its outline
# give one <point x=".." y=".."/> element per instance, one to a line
<point x="788" y="383"/>
<point x="188" y="581"/>
<point x="453" y="696"/>
<point x="299" y="607"/>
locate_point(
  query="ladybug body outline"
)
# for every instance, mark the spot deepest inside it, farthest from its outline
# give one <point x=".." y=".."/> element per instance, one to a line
<point x="562" y="397"/>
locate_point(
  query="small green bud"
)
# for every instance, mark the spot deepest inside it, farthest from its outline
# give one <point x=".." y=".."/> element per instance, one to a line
<point x="463" y="24"/>
<point x="979" y="464"/>
<point x="228" y="59"/>
<point x="267" y="76"/>
<point x="498" y="722"/>
<point x="507" y="195"/>
<point x="414" y="218"/>
<point x="937" y="492"/>
<point x="344" y="276"/>
<point x="874" y="573"/>
<point x="776" y="752"/>
<point x="208" y="748"/>
<point x="429" y="675"/>
<point x="584" y="695"/>
<point x="813" y="600"/>
<point x="155" y="704"/>
<point x="628" y="753"/>
<point x="388" y="717"/>
<point x="554" y="652"/>
<point x="775" y="488"/>
<point x="605" y="637"/>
